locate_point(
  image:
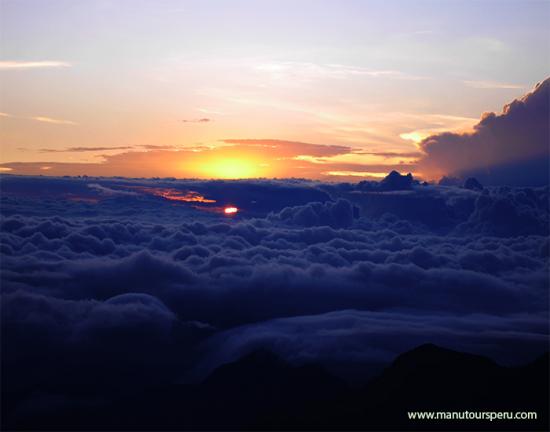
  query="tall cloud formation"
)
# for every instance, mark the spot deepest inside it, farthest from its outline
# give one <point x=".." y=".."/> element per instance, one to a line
<point x="510" y="148"/>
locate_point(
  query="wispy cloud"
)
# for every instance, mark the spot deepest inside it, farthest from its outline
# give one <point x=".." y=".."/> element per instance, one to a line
<point x="97" y="149"/>
<point x="210" y="111"/>
<point x="291" y="148"/>
<point x="304" y="70"/>
<point x="157" y="147"/>
<point x="53" y="120"/>
<point x="390" y="154"/>
<point x="487" y="44"/>
<point x="201" y="120"/>
<point x="9" y="65"/>
<point x="83" y="149"/>
<point x="492" y="85"/>
<point x="376" y="175"/>
<point x="42" y="119"/>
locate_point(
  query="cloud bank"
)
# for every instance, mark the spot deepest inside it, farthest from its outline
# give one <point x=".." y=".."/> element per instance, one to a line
<point x="509" y="148"/>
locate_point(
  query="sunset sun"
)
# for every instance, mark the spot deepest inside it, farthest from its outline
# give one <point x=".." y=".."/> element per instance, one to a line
<point x="231" y="168"/>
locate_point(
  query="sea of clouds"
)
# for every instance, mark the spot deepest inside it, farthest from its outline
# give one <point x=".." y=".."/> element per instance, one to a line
<point x="108" y="286"/>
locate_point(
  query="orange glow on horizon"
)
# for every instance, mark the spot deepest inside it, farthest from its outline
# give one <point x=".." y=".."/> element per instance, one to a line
<point x="377" y="175"/>
<point x="176" y="195"/>
<point x="273" y="159"/>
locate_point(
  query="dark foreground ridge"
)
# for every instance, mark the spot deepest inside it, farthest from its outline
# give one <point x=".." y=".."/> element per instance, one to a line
<point x="260" y="391"/>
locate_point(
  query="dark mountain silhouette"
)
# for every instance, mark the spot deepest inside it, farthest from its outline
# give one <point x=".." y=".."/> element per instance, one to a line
<point x="260" y="391"/>
<point x="472" y="183"/>
<point x="431" y="378"/>
<point x="395" y="181"/>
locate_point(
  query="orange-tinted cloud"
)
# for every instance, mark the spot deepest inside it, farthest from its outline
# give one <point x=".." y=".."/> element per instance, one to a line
<point x="83" y="149"/>
<point x="281" y="148"/>
<point x="172" y="194"/>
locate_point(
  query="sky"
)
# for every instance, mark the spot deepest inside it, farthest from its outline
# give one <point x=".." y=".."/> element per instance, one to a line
<point x="238" y="89"/>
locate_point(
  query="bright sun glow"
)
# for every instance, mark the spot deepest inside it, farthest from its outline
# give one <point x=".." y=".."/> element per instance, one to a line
<point x="230" y="210"/>
<point x="228" y="168"/>
<point x="416" y="137"/>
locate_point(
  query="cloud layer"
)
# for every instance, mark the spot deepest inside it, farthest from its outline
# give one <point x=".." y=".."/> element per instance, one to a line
<point x="347" y="275"/>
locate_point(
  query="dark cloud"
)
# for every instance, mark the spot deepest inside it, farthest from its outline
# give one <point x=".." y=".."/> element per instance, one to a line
<point x="510" y="212"/>
<point x="510" y="148"/>
<point x="339" y="214"/>
<point x="61" y="343"/>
